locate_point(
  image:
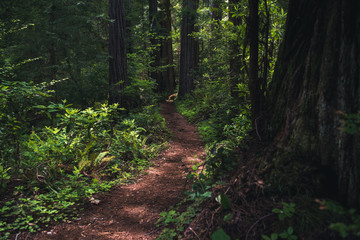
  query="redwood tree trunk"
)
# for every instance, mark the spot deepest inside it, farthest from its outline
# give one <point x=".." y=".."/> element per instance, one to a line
<point x="318" y="75"/>
<point x="189" y="47"/>
<point x="117" y="51"/>
<point x="168" y="76"/>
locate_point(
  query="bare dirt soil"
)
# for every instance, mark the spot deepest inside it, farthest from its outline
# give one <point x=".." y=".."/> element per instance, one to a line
<point x="131" y="211"/>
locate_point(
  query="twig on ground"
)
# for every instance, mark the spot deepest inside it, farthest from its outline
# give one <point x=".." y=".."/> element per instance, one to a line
<point x="213" y="214"/>
<point x="252" y="226"/>
<point x="194" y="233"/>
<point x="17" y="235"/>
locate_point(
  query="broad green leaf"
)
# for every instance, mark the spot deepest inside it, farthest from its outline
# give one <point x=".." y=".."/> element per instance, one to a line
<point x="224" y="201"/>
<point x="274" y="236"/>
<point x="220" y="235"/>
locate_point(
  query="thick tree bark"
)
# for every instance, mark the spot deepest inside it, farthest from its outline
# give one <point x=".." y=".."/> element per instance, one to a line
<point x="168" y="76"/>
<point x="189" y="47"/>
<point x="117" y="51"/>
<point x="317" y="76"/>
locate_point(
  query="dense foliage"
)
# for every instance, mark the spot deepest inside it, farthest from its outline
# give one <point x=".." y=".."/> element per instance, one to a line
<point x="220" y="106"/>
<point x="61" y="141"/>
<point x="53" y="156"/>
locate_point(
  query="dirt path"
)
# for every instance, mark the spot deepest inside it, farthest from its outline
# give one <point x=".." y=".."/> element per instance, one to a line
<point x="130" y="212"/>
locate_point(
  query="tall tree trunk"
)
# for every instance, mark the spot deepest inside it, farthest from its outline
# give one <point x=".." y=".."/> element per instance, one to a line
<point x="189" y="47"/>
<point x="168" y="75"/>
<point x="154" y="40"/>
<point x="235" y="60"/>
<point x="117" y="51"/>
<point x="317" y="75"/>
<point x="52" y="49"/>
<point x="266" y="54"/>
<point x="256" y="95"/>
<point x="128" y="24"/>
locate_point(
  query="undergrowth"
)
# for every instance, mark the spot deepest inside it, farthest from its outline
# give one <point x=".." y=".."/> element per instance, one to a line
<point x="175" y="221"/>
<point x="223" y="126"/>
<point x="295" y="212"/>
<point x="54" y="157"/>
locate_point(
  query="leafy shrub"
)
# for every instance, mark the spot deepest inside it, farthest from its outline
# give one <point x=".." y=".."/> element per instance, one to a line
<point x="350" y="224"/>
<point x="128" y="144"/>
<point x="175" y="221"/>
<point x="77" y="140"/>
<point x="29" y="213"/>
<point x="237" y="131"/>
<point x="140" y="92"/>
<point x="287" y="211"/>
<point x="17" y="115"/>
<point x="221" y="159"/>
<point x="66" y="162"/>
<point x="149" y="118"/>
<point x="4" y="177"/>
<point x="209" y="100"/>
<point x="208" y="131"/>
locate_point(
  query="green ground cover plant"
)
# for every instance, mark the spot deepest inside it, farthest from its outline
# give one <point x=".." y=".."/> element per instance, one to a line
<point x="48" y="169"/>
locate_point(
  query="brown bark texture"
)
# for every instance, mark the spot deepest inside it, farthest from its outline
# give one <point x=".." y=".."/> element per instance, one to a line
<point x="189" y="47"/>
<point x="318" y="75"/>
<point x="168" y="75"/>
<point x="117" y="51"/>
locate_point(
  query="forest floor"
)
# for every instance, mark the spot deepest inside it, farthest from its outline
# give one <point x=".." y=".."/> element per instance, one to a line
<point x="131" y="211"/>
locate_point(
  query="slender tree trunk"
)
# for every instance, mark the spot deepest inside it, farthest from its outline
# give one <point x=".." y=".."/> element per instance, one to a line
<point x="52" y="50"/>
<point x="316" y="77"/>
<point x="265" y="53"/>
<point x="117" y="51"/>
<point x="235" y="59"/>
<point x="256" y="95"/>
<point x="189" y="54"/>
<point x="155" y="40"/>
<point x="52" y="47"/>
